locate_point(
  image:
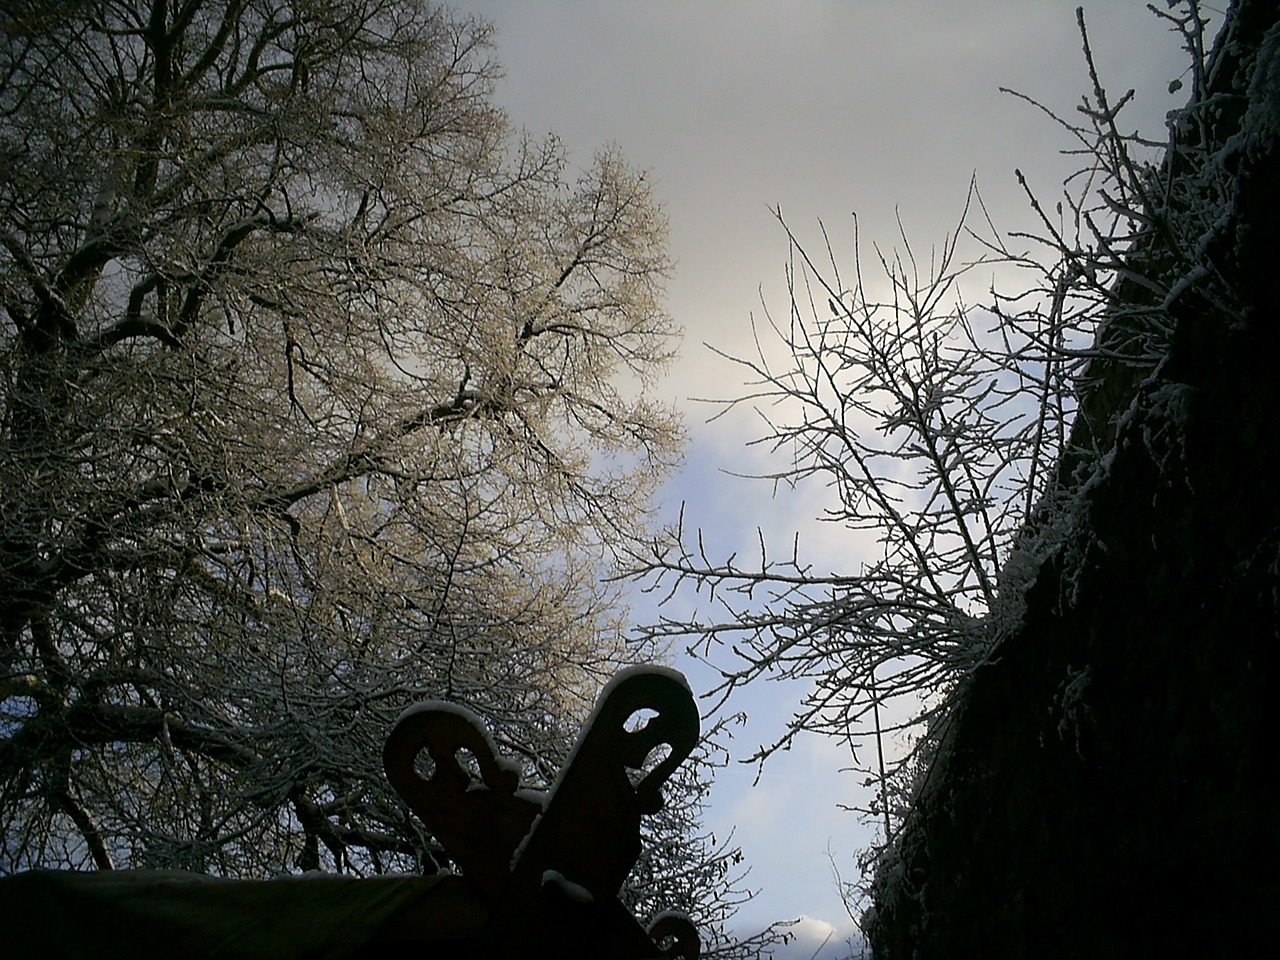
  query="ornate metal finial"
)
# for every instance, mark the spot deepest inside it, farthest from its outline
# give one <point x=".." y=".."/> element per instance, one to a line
<point x="479" y="824"/>
<point x="562" y="864"/>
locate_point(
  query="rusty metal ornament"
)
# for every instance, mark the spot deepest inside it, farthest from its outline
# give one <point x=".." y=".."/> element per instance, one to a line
<point x="685" y="944"/>
<point x="552" y="874"/>
<point x="590" y="832"/>
<point x="479" y="824"/>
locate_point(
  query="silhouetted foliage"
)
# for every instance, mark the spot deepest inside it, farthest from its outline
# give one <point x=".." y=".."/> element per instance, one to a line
<point x="310" y="382"/>
<point x="978" y="442"/>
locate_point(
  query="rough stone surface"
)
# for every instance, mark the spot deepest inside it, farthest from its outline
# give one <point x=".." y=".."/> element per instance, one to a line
<point x="1105" y="788"/>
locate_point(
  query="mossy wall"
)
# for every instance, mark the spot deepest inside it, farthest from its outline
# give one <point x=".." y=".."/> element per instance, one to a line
<point x="1106" y="784"/>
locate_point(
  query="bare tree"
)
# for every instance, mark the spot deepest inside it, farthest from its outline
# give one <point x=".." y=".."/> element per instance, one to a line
<point x="319" y="396"/>
<point x="962" y="435"/>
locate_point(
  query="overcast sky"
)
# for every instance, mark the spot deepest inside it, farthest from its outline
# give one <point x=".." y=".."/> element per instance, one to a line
<point x="820" y="108"/>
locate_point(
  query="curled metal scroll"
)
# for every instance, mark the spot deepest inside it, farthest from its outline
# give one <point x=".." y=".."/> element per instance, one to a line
<point x="676" y="927"/>
<point x="562" y="865"/>
<point x="478" y="824"/>
<point x="590" y="832"/>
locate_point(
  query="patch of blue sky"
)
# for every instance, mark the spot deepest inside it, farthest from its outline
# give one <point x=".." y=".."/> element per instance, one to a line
<point x="821" y="108"/>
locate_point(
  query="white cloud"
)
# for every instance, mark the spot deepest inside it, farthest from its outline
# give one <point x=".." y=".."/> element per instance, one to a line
<point x="789" y="823"/>
<point x="823" y="107"/>
<point x="813" y="939"/>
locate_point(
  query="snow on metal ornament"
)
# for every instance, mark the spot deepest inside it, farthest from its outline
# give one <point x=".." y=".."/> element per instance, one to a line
<point x="552" y="873"/>
<point x="478" y="826"/>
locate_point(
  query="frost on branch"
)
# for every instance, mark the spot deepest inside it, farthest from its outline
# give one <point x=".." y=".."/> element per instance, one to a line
<point x="966" y="433"/>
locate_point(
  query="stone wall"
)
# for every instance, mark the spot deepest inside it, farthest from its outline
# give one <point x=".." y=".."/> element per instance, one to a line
<point x="1101" y="789"/>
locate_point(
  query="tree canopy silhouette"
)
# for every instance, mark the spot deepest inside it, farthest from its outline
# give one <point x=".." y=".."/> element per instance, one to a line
<point x="312" y="385"/>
